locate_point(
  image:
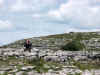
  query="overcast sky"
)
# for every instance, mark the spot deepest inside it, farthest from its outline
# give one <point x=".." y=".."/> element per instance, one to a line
<point x="28" y="18"/>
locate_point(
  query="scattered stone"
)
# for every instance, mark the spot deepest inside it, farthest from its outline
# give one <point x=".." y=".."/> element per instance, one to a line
<point x="27" y="68"/>
<point x="47" y="55"/>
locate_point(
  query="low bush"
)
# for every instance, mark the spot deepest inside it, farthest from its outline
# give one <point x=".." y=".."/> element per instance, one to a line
<point x="73" y="46"/>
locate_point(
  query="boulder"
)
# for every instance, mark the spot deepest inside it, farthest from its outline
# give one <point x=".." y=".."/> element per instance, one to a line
<point x="51" y="58"/>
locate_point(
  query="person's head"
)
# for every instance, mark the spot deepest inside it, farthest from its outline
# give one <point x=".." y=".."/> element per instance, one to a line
<point x="27" y="41"/>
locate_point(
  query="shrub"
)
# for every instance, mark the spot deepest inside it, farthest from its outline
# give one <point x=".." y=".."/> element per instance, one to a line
<point x="73" y="46"/>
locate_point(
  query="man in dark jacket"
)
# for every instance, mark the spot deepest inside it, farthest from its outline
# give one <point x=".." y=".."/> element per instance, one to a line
<point x="27" y="45"/>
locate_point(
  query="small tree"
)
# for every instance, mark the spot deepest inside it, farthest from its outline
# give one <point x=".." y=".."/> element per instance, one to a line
<point x="73" y="46"/>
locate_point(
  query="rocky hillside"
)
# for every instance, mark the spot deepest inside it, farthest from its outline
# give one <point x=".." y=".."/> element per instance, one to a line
<point x="55" y="41"/>
<point x="46" y="57"/>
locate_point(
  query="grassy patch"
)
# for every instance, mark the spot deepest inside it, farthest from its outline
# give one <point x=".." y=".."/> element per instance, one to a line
<point x="74" y="74"/>
<point x="87" y="66"/>
<point x="24" y="73"/>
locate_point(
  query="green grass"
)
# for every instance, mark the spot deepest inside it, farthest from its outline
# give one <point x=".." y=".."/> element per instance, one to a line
<point x="87" y="66"/>
<point x="78" y="74"/>
<point x="4" y="63"/>
<point x="43" y="66"/>
<point x="24" y="73"/>
<point x="6" y="73"/>
<point x="74" y="74"/>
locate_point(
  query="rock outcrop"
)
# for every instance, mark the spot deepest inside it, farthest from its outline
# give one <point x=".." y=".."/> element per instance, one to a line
<point x="47" y="55"/>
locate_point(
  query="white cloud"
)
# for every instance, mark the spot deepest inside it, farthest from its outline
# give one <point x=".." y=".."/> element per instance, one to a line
<point x="37" y="16"/>
<point x="55" y="14"/>
<point x="79" y="12"/>
<point x="34" y="5"/>
<point x="70" y="29"/>
<point x="19" y="5"/>
<point x="1" y="2"/>
<point x="5" y="24"/>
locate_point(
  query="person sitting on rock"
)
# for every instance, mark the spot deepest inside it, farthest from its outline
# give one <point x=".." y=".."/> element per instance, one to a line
<point x="27" y="45"/>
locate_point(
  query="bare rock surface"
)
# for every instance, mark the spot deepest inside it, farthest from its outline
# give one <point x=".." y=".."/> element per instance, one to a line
<point x="49" y="56"/>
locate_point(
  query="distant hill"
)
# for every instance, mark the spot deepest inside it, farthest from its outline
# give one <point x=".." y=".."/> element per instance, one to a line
<point x="54" y="41"/>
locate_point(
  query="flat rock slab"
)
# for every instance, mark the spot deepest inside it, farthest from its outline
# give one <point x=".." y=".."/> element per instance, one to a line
<point x="2" y="72"/>
<point x="25" y="68"/>
<point x="19" y="73"/>
<point x="5" y="69"/>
